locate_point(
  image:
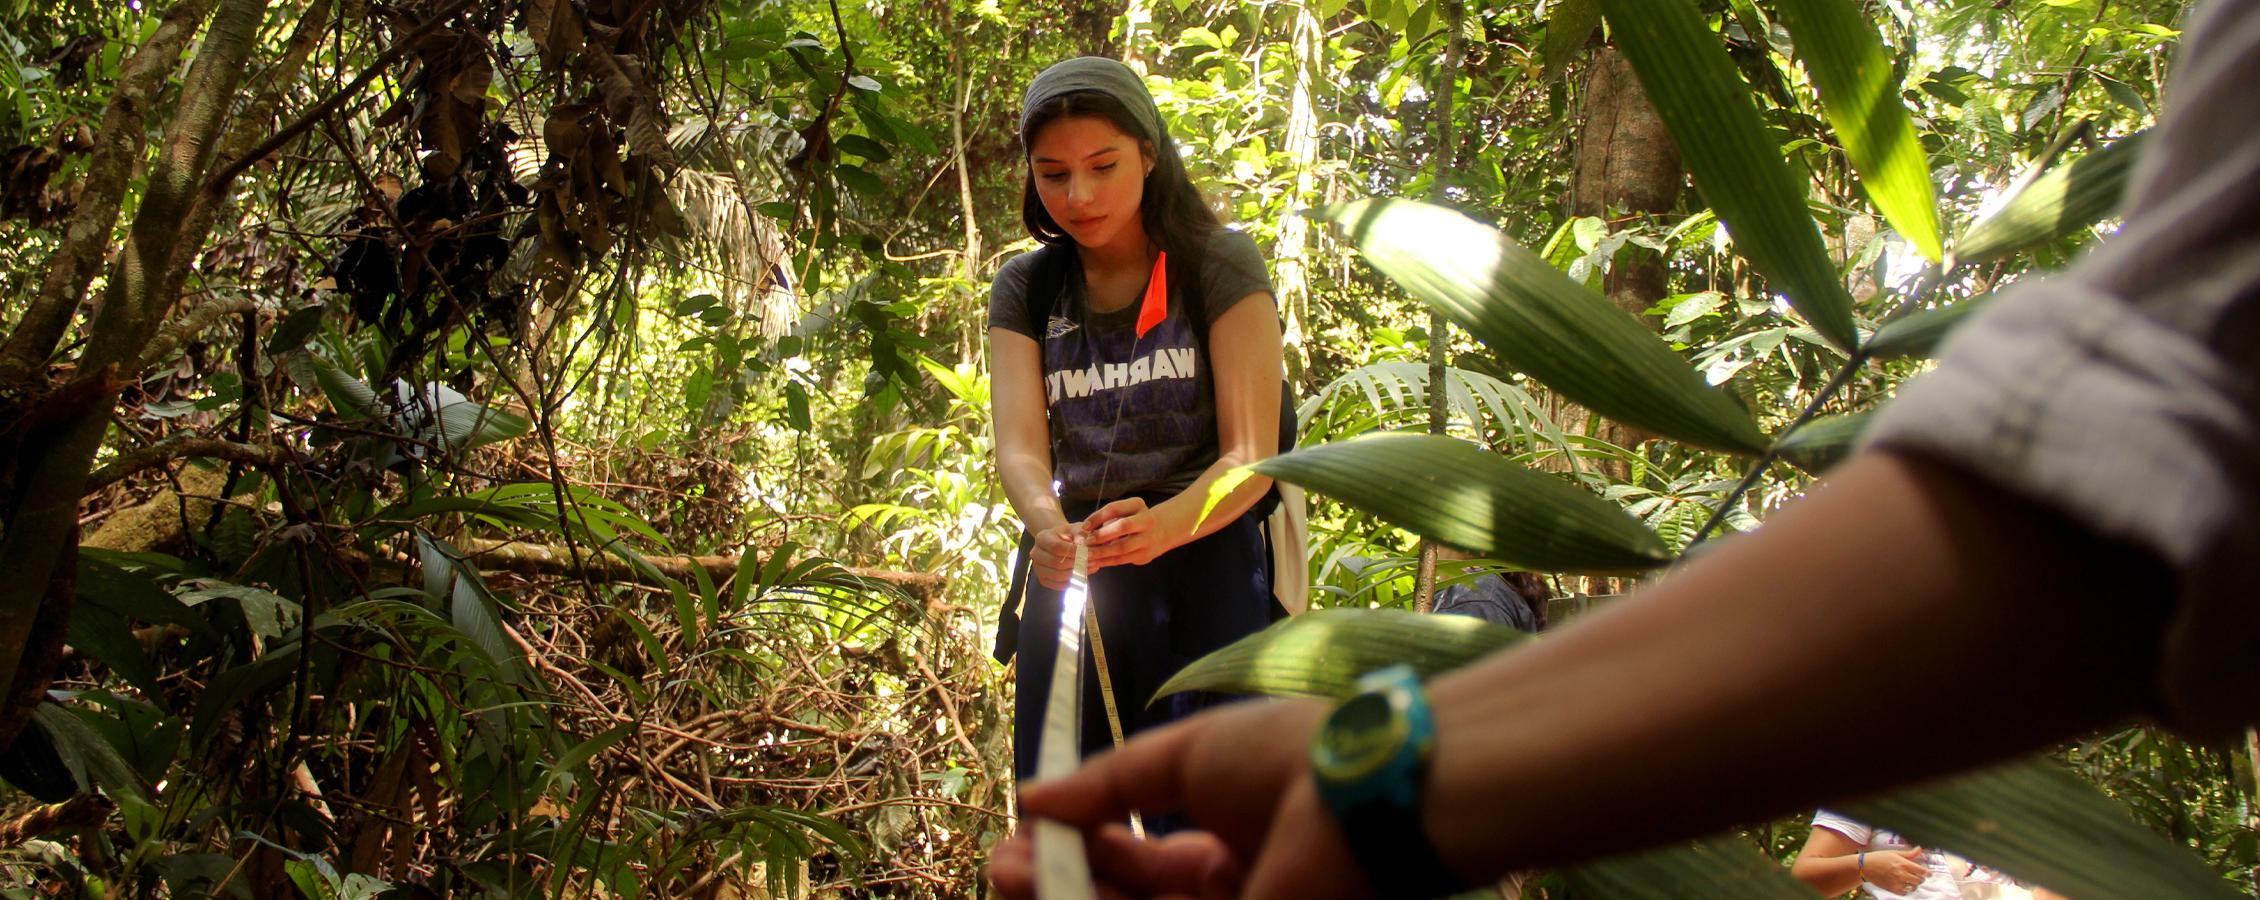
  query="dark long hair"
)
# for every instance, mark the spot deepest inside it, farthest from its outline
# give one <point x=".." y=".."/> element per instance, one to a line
<point x="1174" y="213"/>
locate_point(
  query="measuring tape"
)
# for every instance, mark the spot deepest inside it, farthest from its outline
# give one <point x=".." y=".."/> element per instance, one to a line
<point x="1062" y="871"/>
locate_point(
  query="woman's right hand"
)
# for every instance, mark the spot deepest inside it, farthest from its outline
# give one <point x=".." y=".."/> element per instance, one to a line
<point x="1053" y="557"/>
<point x="1897" y="871"/>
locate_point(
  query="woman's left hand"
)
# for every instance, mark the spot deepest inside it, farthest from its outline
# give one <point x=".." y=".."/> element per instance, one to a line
<point x="1125" y="533"/>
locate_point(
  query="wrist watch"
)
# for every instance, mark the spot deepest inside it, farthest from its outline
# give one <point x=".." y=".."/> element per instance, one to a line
<point x="1370" y="757"/>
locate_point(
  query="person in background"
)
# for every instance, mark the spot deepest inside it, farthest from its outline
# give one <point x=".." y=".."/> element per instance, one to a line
<point x="1842" y="854"/>
<point x="1135" y="358"/>
<point x="1514" y="599"/>
<point x="2087" y="451"/>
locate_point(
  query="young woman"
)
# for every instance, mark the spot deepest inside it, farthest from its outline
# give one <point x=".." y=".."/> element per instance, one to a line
<point x="1135" y="359"/>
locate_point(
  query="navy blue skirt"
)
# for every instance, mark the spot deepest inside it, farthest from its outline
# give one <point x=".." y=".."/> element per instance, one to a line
<point x="1154" y="619"/>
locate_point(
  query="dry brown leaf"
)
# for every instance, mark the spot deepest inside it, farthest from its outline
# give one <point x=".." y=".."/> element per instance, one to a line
<point x="565" y="131"/>
<point x="469" y="85"/>
<point x="647" y="136"/>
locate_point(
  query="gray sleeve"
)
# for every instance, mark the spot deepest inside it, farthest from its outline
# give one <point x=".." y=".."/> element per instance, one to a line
<point x="2125" y="391"/>
<point x="1232" y="271"/>
<point x="1008" y="296"/>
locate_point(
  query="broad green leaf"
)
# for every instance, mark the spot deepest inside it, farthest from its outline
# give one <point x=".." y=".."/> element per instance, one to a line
<point x="1321" y="653"/>
<point x="1720" y="868"/>
<point x="1567" y="27"/>
<point x="1846" y="60"/>
<point x="464" y="424"/>
<point x="1540" y="322"/>
<point x="450" y="577"/>
<point x="1736" y="164"/>
<point x="2057" y="202"/>
<point x="859" y="180"/>
<point x="864" y="147"/>
<point x="2039" y="823"/>
<point x="111" y="597"/>
<point x="350" y="396"/>
<point x="86" y="753"/>
<point x="100" y="633"/>
<point x="1823" y="442"/>
<point x="266" y="613"/>
<point x="1918" y="334"/>
<point x="577" y="758"/>
<point x="295" y="328"/>
<point x="1475" y="500"/>
<point x="796" y="407"/>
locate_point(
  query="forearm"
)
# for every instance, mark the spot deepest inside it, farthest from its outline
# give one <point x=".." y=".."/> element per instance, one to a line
<point x="1028" y="487"/>
<point x="1702" y="702"/>
<point x="1828" y="875"/>
<point x="1189" y="516"/>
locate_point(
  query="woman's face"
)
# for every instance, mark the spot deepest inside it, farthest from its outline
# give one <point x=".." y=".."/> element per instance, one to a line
<point x="1091" y="178"/>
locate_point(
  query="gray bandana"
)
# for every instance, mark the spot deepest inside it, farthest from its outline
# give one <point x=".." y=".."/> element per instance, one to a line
<point x="1093" y="73"/>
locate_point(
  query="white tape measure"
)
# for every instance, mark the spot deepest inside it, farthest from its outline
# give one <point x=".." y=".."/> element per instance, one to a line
<point x="1062" y="871"/>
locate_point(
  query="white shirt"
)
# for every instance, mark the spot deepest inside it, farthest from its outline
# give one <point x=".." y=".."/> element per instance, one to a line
<point x="1941" y="884"/>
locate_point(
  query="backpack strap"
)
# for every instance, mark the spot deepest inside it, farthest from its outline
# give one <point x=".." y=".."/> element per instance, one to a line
<point x="1046" y="280"/>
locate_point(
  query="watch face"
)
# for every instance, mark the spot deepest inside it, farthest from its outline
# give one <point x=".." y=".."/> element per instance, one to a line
<point x="1361" y="736"/>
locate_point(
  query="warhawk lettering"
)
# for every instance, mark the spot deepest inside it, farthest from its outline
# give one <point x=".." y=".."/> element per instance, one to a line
<point x="1166" y="362"/>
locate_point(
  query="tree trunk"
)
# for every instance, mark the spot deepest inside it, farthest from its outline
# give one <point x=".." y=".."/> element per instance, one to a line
<point x="1439" y="329"/>
<point x="1091" y="22"/>
<point x="1291" y="254"/>
<point x="1627" y="166"/>
<point x="970" y="341"/>
<point x="88" y="234"/>
<point x="42" y="518"/>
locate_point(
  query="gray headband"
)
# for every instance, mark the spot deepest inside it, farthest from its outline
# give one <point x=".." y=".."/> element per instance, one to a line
<point x="1093" y="73"/>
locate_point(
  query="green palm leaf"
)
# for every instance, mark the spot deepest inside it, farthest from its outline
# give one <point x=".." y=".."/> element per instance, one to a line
<point x="1738" y="167"/>
<point x="1847" y="63"/>
<point x="1823" y="442"/>
<point x="1395" y="395"/>
<point x="2057" y="202"/>
<point x="1542" y="323"/>
<point x="1469" y="498"/>
<point x="1568" y="26"/>
<point x="1321" y="653"/>
<point x="2039" y="823"/>
<point x="1918" y="334"/>
<point x="1721" y="868"/>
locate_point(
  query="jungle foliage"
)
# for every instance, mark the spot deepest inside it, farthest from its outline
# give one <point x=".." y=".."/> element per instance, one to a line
<point x="455" y="448"/>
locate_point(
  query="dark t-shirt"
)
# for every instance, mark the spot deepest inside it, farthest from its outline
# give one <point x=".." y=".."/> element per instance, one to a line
<point x="1491" y="599"/>
<point x="1129" y="414"/>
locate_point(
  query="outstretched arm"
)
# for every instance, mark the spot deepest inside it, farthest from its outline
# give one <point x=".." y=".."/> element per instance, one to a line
<point x="1900" y="585"/>
<point x="1023" y="451"/>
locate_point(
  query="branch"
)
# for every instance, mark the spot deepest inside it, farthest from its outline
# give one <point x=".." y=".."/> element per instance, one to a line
<point x="206" y="207"/>
<point x="327" y="106"/>
<point x="41" y="518"/>
<point x="78" y="812"/>
<point x="538" y="559"/>
<point x="191" y="324"/>
<point x="183" y="446"/>
<point x="102" y="190"/>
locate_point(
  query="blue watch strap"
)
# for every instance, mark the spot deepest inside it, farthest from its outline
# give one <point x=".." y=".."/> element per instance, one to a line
<point x="1370" y="759"/>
